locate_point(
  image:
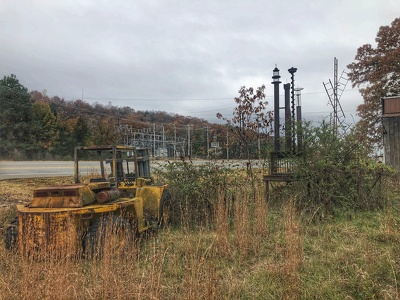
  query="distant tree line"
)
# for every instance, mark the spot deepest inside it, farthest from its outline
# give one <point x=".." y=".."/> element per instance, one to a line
<point x="36" y="126"/>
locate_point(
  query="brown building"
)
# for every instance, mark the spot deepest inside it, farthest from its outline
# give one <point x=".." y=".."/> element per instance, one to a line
<point x="391" y="131"/>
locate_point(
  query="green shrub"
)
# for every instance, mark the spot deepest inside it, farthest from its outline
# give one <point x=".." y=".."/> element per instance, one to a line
<point x="334" y="173"/>
<point x="195" y="188"/>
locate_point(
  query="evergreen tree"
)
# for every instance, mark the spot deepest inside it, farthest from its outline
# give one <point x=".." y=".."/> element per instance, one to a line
<point x="16" y="134"/>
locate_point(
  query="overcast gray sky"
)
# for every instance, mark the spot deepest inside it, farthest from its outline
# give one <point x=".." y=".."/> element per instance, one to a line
<point x="187" y="57"/>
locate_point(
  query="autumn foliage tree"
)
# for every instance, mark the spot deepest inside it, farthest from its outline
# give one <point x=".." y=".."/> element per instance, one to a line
<point x="44" y="125"/>
<point x="36" y="126"/>
<point x="376" y="71"/>
<point x="250" y="120"/>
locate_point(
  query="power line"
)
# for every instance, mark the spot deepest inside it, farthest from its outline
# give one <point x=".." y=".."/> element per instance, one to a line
<point x="190" y="99"/>
<point x="158" y="99"/>
<point x="324" y="112"/>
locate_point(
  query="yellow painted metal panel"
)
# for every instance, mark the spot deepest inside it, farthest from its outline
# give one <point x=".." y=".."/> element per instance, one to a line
<point x="50" y="234"/>
<point x="73" y="195"/>
<point x="152" y="197"/>
<point x="49" y="229"/>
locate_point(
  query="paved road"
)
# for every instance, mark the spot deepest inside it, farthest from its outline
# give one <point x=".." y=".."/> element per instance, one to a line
<point x="31" y="169"/>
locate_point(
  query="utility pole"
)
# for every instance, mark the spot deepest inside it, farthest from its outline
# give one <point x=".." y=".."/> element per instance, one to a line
<point x="163" y="141"/>
<point x="208" y="142"/>
<point x="154" y="140"/>
<point x="189" y="141"/>
<point x="174" y="141"/>
<point x="227" y="145"/>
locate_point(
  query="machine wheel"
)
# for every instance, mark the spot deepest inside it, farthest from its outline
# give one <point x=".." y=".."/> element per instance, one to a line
<point x="109" y="236"/>
<point x="166" y="211"/>
<point x="11" y="238"/>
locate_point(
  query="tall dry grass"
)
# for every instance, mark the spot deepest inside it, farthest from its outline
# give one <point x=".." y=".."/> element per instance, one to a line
<point x="175" y="263"/>
<point x="293" y="252"/>
<point x="248" y="250"/>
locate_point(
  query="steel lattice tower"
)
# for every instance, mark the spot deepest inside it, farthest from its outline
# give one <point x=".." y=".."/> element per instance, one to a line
<point x="334" y="91"/>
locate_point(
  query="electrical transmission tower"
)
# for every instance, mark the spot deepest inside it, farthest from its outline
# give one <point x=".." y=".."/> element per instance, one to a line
<point x="334" y="91"/>
<point x="153" y="138"/>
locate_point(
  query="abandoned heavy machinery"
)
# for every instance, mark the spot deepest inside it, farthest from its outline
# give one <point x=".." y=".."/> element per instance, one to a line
<point x="116" y="195"/>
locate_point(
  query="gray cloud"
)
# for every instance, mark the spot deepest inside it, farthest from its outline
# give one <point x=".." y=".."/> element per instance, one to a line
<point x="174" y="52"/>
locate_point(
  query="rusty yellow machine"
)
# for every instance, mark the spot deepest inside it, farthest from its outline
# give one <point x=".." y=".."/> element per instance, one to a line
<point x="117" y="193"/>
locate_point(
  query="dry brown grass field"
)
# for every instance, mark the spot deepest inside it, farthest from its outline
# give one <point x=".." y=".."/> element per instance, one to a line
<point x="250" y="250"/>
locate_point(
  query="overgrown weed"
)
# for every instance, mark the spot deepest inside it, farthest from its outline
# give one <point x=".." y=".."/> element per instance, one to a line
<point x="240" y="247"/>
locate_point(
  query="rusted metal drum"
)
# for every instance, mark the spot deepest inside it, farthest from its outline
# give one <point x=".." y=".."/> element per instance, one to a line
<point x="109" y="195"/>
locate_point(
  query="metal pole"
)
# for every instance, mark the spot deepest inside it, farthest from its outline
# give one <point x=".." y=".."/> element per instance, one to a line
<point x="174" y="141"/>
<point x="208" y="144"/>
<point x="163" y="140"/>
<point x="288" y="125"/>
<point x="299" y="125"/>
<point x="276" y="82"/>
<point x="227" y="147"/>
<point x="292" y="71"/>
<point x="188" y="140"/>
<point x="154" y="140"/>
